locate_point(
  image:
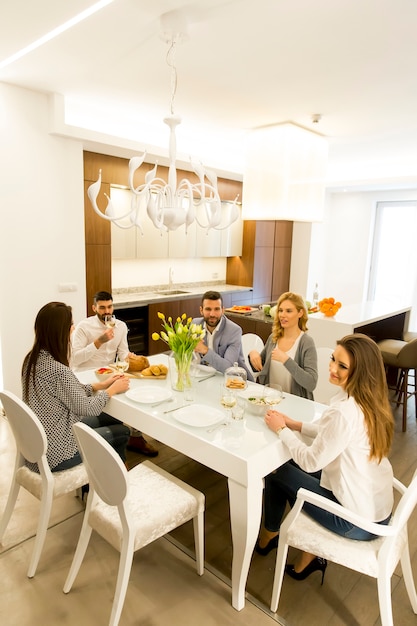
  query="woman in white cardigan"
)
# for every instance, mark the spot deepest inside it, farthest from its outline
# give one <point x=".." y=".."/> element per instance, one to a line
<point x="347" y="458"/>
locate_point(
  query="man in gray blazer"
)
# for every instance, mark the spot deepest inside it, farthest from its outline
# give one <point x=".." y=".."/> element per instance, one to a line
<point x="222" y="344"/>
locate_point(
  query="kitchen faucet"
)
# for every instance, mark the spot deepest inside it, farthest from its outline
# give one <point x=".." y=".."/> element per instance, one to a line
<point x="171" y="276"/>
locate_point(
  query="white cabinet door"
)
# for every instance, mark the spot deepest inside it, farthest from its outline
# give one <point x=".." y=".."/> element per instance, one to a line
<point x="183" y="244"/>
<point x="232" y="237"/>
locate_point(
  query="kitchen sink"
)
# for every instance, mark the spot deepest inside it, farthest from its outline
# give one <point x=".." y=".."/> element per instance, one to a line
<point x="171" y="292"/>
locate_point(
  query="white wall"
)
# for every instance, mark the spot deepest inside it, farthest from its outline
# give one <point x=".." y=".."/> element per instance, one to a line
<point x="42" y="225"/>
<point x="336" y="253"/>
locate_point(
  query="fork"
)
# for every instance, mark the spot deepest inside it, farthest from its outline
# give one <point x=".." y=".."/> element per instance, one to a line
<point x="222" y="425"/>
<point x="161" y="402"/>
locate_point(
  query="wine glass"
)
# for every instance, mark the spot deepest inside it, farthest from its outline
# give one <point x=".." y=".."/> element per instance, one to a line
<point x="110" y="321"/>
<point x="228" y="397"/>
<point x="121" y="366"/>
<point x="276" y="395"/>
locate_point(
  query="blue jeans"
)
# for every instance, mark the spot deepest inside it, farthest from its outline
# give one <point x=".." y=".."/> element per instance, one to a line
<point x="113" y="431"/>
<point x="281" y="488"/>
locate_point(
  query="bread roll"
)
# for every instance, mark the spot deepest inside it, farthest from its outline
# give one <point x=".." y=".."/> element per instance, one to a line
<point x="137" y="363"/>
<point x="155" y="369"/>
<point x="147" y="372"/>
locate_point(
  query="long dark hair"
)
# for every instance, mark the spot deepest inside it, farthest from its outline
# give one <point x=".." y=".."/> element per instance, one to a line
<point x="52" y="333"/>
<point x="368" y="385"/>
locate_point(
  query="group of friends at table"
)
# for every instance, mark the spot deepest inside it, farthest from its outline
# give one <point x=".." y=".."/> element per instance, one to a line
<point x="343" y="456"/>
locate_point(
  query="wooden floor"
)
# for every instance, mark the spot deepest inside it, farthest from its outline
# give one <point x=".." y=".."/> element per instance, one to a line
<point x="164" y="587"/>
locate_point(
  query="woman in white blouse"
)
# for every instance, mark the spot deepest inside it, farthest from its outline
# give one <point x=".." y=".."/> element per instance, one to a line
<point x="289" y="358"/>
<point x="57" y="397"/>
<point x="347" y="458"/>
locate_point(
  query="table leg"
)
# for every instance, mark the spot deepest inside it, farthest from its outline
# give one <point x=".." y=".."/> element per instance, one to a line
<point x="245" y="519"/>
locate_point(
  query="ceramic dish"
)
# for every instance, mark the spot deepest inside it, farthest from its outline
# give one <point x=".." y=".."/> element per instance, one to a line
<point x="148" y="395"/>
<point x="198" y="415"/>
<point x="200" y="371"/>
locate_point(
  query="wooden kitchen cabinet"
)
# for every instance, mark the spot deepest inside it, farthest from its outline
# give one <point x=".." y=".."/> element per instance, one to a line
<point x="265" y="260"/>
<point x="170" y="308"/>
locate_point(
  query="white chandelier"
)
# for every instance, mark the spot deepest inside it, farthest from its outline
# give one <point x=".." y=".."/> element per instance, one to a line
<point x="170" y="204"/>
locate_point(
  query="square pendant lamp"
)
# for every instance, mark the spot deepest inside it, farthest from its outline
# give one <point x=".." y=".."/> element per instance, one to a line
<point x="284" y="175"/>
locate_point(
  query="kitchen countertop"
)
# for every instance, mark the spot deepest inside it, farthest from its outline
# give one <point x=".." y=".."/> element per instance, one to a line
<point x="142" y="298"/>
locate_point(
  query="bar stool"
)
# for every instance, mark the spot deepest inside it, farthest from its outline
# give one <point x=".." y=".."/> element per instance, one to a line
<point x="403" y="356"/>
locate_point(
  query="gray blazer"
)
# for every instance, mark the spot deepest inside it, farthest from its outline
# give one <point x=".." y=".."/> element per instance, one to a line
<point x="227" y="346"/>
<point x="303" y="368"/>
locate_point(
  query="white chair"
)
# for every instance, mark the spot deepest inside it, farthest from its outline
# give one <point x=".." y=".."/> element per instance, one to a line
<point x="250" y="341"/>
<point x="377" y="558"/>
<point x="31" y="444"/>
<point x="131" y="509"/>
<point x="324" y="389"/>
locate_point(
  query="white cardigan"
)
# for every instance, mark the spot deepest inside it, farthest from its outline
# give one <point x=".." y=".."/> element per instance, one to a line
<point x="341" y="449"/>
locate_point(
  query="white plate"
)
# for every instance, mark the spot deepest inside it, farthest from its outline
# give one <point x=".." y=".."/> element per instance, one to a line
<point x="198" y="415"/>
<point x="199" y="371"/>
<point x="148" y="395"/>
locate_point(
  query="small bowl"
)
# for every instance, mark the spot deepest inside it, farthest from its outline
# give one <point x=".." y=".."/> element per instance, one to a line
<point x="260" y="403"/>
<point x="103" y="372"/>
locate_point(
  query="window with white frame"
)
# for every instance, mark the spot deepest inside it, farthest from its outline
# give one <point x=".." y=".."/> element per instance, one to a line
<point x="393" y="274"/>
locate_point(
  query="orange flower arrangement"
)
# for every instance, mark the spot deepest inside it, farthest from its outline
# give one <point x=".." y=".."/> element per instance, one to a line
<point x="329" y="307"/>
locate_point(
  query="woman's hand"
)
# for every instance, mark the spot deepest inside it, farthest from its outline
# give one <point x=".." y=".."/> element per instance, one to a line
<point x="255" y="360"/>
<point x="118" y="384"/>
<point x="275" y="420"/>
<point x="279" y="355"/>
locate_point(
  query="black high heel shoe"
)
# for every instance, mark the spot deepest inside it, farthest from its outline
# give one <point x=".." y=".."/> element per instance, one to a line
<point x="272" y="543"/>
<point x="317" y="564"/>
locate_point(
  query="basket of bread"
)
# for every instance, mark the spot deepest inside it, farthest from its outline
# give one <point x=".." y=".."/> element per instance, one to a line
<point x="140" y="367"/>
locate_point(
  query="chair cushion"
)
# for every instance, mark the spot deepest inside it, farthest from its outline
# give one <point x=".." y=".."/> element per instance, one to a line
<point x="362" y="556"/>
<point x="157" y="503"/>
<point x="64" y="482"/>
<point x="390" y="349"/>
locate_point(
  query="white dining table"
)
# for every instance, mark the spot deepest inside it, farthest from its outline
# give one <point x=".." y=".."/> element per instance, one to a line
<point x="245" y="452"/>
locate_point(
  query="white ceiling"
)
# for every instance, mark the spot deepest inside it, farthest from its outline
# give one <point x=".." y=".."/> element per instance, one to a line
<point x="247" y="63"/>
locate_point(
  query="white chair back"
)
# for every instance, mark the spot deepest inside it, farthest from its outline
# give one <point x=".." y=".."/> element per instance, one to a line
<point x="32" y="444"/>
<point x="377" y="558"/>
<point x="150" y="503"/>
<point x="106" y="471"/>
<point x="27" y="429"/>
<point x="324" y="390"/>
<point x="250" y="341"/>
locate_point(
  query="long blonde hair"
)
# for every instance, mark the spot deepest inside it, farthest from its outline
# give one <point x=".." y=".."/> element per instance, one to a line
<point x="367" y="384"/>
<point x="298" y="302"/>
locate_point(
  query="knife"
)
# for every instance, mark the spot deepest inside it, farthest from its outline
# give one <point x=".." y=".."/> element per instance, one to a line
<point x="200" y="380"/>
<point x="176" y="408"/>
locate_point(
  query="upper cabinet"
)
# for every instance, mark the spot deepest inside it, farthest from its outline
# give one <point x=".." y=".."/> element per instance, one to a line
<point x="148" y="242"/>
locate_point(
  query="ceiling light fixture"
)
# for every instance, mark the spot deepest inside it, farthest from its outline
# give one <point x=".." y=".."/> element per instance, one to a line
<point x="170" y="204"/>
<point x="284" y="176"/>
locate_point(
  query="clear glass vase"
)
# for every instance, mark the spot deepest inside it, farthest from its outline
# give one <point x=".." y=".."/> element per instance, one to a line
<point x="180" y="370"/>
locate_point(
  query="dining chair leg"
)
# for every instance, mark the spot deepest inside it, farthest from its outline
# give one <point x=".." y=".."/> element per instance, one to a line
<point x="11" y="503"/>
<point x="44" y="515"/>
<point x="125" y="565"/>
<point x="404" y="398"/>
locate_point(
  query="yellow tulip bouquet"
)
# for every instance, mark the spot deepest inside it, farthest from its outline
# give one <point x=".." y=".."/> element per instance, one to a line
<point x="182" y="336"/>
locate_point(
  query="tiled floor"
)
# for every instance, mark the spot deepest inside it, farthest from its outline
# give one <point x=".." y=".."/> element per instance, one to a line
<point x="164" y="587"/>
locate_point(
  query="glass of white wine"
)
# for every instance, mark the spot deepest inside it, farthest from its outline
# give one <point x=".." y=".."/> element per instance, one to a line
<point x="121" y="365"/>
<point x="228" y="397"/>
<point x="110" y="321"/>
